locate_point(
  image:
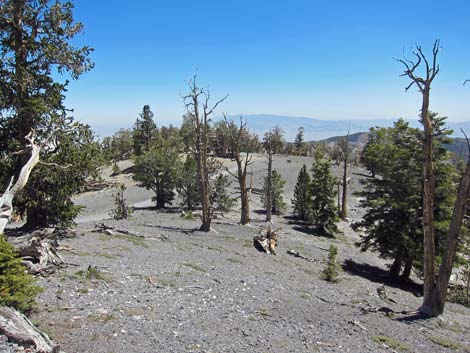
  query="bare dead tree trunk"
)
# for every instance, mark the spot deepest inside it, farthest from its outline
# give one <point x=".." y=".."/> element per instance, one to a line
<point x="269" y="191"/>
<point x="245" y="204"/>
<point x="435" y="288"/>
<point x="344" y="206"/>
<point x="239" y="138"/>
<point x="197" y="105"/>
<point x="438" y="296"/>
<point x="428" y="201"/>
<point x="6" y="200"/>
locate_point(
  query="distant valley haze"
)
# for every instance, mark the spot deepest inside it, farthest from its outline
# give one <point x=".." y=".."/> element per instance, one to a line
<point x="315" y="129"/>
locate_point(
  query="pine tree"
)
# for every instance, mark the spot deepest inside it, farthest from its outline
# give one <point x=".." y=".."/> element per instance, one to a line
<point x="17" y="288"/>
<point x="35" y="52"/>
<point x="299" y="143"/>
<point x="332" y="269"/>
<point x="277" y="189"/>
<point x="144" y="132"/>
<point x="322" y="212"/>
<point x="157" y="170"/>
<point x="187" y="185"/>
<point x="393" y="200"/>
<point x="47" y="197"/>
<point x="121" y="210"/>
<point x="301" y="194"/>
<point x="220" y="197"/>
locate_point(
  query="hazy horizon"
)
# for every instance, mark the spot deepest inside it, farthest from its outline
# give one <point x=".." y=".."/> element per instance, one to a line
<point x="328" y="61"/>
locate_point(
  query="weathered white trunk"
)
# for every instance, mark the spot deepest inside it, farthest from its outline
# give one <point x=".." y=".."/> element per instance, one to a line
<point x="20" y="330"/>
<point x="6" y="200"/>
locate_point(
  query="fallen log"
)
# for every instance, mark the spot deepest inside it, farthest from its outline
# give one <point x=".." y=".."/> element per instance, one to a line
<point x="103" y="228"/>
<point x="297" y="254"/>
<point x="99" y="185"/>
<point x="20" y="330"/>
<point x="39" y="251"/>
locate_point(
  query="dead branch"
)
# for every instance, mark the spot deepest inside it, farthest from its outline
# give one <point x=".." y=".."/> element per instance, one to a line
<point x="109" y="230"/>
<point x="19" y="329"/>
<point x="297" y="254"/>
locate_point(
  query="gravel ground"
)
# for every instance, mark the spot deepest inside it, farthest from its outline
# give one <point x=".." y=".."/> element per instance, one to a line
<point x="180" y="290"/>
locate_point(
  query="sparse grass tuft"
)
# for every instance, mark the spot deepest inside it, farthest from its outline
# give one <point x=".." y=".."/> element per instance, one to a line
<point x="391" y="342"/>
<point x="108" y="256"/>
<point x="101" y="318"/>
<point x="248" y="244"/>
<point x="444" y="342"/>
<point x="195" y="267"/>
<point x="92" y="273"/>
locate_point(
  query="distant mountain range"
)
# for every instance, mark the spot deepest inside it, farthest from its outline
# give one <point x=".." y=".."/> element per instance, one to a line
<point x="316" y="129"/>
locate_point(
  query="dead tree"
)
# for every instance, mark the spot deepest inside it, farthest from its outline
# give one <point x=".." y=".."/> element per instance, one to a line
<point x="435" y="287"/>
<point x="344" y="195"/>
<point x="198" y="108"/>
<point x="239" y="139"/>
<point x="268" y="145"/>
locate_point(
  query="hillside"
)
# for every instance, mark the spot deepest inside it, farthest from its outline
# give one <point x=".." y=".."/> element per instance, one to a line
<point x="175" y="289"/>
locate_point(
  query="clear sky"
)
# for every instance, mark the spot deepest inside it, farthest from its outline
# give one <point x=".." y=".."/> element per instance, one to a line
<point x="322" y="59"/>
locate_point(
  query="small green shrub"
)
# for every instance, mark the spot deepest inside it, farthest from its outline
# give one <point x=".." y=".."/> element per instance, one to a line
<point x="17" y="288"/>
<point x="331" y="271"/>
<point x="122" y="210"/>
<point x="188" y="215"/>
<point x="391" y="342"/>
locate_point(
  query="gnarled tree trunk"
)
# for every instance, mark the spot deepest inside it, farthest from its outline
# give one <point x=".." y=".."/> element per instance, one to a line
<point x="6" y="201"/>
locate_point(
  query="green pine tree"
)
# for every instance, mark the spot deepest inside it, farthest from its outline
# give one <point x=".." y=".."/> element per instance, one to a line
<point x="322" y="196"/>
<point x="187" y="185"/>
<point x="393" y="200"/>
<point x="332" y="269"/>
<point x="17" y="288"/>
<point x="278" y="204"/>
<point x="299" y="143"/>
<point x="220" y="198"/>
<point x="38" y="56"/>
<point x="301" y="194"/>
<point x="144" y="132"/>
<point x="156" y="170"/>
<point x="121" y="210"/>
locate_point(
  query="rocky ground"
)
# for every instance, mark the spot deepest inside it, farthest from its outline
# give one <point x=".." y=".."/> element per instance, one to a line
<point x="180" y="290"/>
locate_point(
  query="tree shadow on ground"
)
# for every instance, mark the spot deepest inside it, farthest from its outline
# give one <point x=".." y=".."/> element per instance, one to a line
<point x="293" y="219"/>
<point x="363" y="175"/>
<point x="378" y="275"/>
<point x="161" y="210"/>
<point x="171" y="228"/>
<point x="416" y="316"/>
<point x="310" y="230"/>
<point x="129" y="170"/>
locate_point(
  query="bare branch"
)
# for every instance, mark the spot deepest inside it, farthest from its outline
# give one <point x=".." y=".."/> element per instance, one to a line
<point x="468" y="142"/>
<point x="52" y="164"/>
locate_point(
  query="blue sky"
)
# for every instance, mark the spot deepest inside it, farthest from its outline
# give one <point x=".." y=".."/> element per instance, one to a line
<point x="321" y="59"/>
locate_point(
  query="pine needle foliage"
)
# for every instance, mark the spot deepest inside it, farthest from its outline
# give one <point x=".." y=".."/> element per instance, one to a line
<point x="17" y="288"/>
<point x="301" y="194"/>
<point x="332" y="269"/>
